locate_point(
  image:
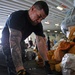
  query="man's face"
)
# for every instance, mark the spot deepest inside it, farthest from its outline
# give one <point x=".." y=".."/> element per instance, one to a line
<point x="36" y="15"/>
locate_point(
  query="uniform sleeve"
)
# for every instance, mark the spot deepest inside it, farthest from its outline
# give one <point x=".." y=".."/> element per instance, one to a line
<point x="14" y="20"/>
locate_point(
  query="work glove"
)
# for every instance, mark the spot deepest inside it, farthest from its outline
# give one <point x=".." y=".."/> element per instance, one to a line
<point x="47" y="68"/>
<point x="22" y="72"/>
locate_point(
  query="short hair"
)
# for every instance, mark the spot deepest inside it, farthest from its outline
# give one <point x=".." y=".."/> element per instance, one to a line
<point x="42" y="5"/>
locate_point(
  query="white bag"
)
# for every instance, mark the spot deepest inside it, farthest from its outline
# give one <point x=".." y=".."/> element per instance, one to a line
<point x="68" y="61"/>
<point x="68" y="64"/>
<point x="68" y="72"/>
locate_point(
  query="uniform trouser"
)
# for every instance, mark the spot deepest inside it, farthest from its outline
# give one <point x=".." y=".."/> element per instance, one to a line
<point x="10" y="65"/>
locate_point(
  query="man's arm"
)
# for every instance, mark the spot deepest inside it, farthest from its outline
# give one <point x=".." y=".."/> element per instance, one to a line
<point x="14" y="39"/>
<point x="42" y="48"/>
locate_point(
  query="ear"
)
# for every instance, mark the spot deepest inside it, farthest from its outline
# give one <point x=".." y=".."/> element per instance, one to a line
<point x="32" y="8"/>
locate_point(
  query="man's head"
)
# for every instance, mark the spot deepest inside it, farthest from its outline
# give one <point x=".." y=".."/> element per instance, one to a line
<point x="38" y="12"/>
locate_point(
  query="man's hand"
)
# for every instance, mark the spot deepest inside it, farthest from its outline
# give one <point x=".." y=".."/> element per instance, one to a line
<point x="22" y="72"/>
<point x="47" y="68"/>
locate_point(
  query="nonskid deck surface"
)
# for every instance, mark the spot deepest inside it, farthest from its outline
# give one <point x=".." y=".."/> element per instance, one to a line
<point x="30" y="65"/>
<point x="34" y="69"/>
